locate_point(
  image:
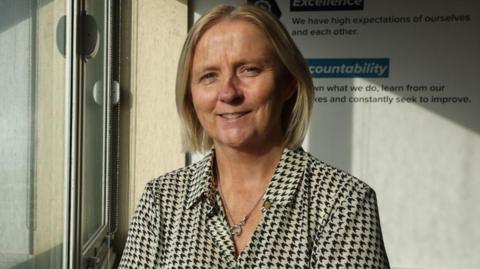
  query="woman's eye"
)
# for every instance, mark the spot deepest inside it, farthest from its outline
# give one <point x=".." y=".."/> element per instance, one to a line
<point x="250" y="70"/>
<point x="207" y="77"/>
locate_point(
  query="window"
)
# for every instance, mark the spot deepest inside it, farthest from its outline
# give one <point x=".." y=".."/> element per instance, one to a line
<point x="55" y="133"/>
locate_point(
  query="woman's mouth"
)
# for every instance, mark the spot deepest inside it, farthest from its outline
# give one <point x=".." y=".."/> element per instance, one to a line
<point x="233" y="115"/>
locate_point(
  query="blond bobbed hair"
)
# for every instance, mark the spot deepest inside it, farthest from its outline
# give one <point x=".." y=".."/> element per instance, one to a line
<point x="296" y="111"/>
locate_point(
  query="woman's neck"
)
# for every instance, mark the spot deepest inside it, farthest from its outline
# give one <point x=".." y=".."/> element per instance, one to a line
<point x="241" y="169"/>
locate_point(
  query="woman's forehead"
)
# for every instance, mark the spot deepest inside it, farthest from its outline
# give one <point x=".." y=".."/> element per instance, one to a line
<point x="235" y="30"/>
<point x="236" y="38"/>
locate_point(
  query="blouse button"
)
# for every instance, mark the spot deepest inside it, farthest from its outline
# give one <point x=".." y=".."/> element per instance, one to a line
<point x="266" y="205"/>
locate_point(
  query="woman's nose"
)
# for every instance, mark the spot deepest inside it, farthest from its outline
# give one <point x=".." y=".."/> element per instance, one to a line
<point x="229" y="92"/>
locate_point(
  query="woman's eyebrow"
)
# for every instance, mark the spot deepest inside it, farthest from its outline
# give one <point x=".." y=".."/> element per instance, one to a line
<point x="265" y="60"/>
<point x="204" y="68"/>
<point x="262" y="59"/>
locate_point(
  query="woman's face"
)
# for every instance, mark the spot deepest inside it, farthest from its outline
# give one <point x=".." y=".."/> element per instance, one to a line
<point x="238" y="87"/>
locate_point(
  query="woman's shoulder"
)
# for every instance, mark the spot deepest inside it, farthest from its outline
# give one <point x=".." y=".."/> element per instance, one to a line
<point x="333" y="183"/>
<point x="332" y="192"/>
<point x="170" y="184"/>
<point x="176" y="183"/>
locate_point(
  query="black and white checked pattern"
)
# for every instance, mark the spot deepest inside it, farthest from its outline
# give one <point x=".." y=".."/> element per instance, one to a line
<point x="320" y="217"/>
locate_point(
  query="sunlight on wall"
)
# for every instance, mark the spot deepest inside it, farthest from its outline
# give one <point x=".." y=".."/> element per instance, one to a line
<point x="424" y="168"/>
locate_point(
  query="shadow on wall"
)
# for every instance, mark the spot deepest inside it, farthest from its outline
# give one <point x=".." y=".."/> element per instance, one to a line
<point x="331" y="128"/>
<point x="448" y="101"/>
<point x="13" y="12"/>
<point x="51" y="258"/>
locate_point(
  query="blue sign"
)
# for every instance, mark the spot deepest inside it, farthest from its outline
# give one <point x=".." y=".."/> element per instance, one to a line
<point x="349" y="68"/>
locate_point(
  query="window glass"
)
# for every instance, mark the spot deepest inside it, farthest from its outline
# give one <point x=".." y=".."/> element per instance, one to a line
<point x="93" y="191"/>
<point x="32" y="134"/>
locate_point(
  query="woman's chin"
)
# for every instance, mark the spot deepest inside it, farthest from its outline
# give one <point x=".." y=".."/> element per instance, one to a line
<point x="248" y="143"/>
<point x="232" y="143"/>
<point x="235" y="141"/>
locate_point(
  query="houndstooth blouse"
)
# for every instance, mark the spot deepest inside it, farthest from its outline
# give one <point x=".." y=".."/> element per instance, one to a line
<point x="317" y="217"/>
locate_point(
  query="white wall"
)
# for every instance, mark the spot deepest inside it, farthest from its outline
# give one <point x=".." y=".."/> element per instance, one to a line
<point x="152" y="33"/>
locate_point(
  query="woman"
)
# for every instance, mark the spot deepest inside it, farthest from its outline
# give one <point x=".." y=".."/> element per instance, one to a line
<point x="257" y="200"/>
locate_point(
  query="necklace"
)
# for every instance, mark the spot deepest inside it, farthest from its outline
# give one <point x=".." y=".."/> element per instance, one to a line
<point x="236" y="229"/>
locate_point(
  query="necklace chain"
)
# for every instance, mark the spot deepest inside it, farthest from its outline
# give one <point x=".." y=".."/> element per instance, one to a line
<point x="236" y="229"/>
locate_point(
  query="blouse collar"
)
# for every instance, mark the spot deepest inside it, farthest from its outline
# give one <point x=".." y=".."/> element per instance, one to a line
<point x="281" y="189"/>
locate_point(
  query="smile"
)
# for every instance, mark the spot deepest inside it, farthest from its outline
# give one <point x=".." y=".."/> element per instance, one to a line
<point x="233" y="115"/>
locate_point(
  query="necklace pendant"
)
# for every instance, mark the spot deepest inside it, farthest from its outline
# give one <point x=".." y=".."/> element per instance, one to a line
<point x="236" y="230"/>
